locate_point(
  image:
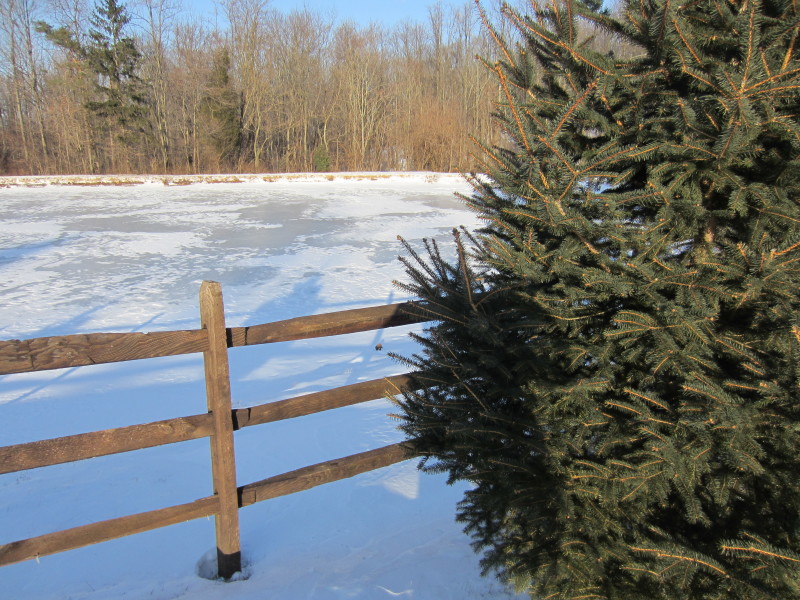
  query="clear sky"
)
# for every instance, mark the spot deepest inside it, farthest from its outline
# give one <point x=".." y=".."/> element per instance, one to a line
<point x="386" y="12"/>
<point x="363" y="11"/>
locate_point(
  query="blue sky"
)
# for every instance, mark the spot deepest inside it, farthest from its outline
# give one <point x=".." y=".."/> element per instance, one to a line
<point x="364" y="11"/>
<point x="386" y="12"/>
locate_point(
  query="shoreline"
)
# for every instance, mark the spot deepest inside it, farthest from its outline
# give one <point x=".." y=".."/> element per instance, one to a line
<point x="211" y="178"/>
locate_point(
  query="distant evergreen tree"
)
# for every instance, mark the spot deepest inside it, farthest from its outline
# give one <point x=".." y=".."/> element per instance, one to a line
<point x="113" y="60"/>
<point x="615" y="365"/>
<point x="62" y="37"/>
<point x="222" y="110"/>
<point x="322" y="159"/>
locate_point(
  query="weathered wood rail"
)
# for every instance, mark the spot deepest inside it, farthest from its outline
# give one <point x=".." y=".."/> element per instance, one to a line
<point x="213" y="339"/>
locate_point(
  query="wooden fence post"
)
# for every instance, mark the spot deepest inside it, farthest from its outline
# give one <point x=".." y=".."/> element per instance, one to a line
<point x="223" y="464"/>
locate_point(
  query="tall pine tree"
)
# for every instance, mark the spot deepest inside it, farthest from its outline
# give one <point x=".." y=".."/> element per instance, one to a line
<point x="615" y="364"/>
<point x="112" y="61"/>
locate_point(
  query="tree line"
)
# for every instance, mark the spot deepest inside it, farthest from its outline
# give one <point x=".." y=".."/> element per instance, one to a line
<point x="147" y="87"/>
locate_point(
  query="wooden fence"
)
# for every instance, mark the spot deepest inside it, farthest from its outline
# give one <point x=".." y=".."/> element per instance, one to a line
<point x="218" y="424"/>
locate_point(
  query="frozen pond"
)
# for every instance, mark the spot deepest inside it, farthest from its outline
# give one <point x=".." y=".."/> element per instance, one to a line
<point x="87" y="258"/>
<point x="82" y="259"/>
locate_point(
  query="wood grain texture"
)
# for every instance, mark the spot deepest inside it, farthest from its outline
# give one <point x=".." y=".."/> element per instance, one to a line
<point x="223" y="461"/>
<point x="326" y="472"/>
<point x="77" y="537"/>
<point x="321" y="401"/>
<point x="40" y="354"/>
<point x="21" y="457"/>
<point x="334" y="323"/>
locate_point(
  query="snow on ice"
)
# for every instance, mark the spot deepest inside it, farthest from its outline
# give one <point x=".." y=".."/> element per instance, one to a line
<point x="79" y="259"/>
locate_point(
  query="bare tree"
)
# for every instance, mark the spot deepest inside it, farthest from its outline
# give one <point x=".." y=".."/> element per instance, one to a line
<point x="301" y="86"/>
<point x="157" y="17"/>
<point x="250" y="49"/>
<point x="360" y="73"/>
<point x="21" y="68"/>
<point x="189" y="76"/>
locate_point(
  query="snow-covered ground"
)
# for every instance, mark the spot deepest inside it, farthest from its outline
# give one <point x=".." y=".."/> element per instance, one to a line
<point x="77" y="259"/>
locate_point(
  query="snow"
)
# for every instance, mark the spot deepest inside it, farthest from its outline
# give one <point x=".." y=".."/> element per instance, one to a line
<point x="83" y="258"/>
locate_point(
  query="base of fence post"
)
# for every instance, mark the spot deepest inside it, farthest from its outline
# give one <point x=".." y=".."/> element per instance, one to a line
<point x="228" y="564"/>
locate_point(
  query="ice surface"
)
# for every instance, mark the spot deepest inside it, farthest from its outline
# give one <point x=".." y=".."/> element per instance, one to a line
<point x="75" y="259"/>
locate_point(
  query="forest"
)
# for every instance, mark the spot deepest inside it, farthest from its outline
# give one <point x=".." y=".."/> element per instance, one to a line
<point x="147" y="86"/>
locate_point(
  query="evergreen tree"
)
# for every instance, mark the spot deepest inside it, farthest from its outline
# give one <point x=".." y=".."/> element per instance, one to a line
<point x="322" y="158"/>
<point x="222" y="110"/>
<point x="615" y="363"/>
<point x="113" y="60"/>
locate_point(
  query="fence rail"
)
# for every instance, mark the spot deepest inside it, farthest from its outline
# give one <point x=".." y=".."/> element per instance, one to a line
<point x="59" y="352"/>
<point x="42" y="354"/>
<point x="218" y="424"/>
